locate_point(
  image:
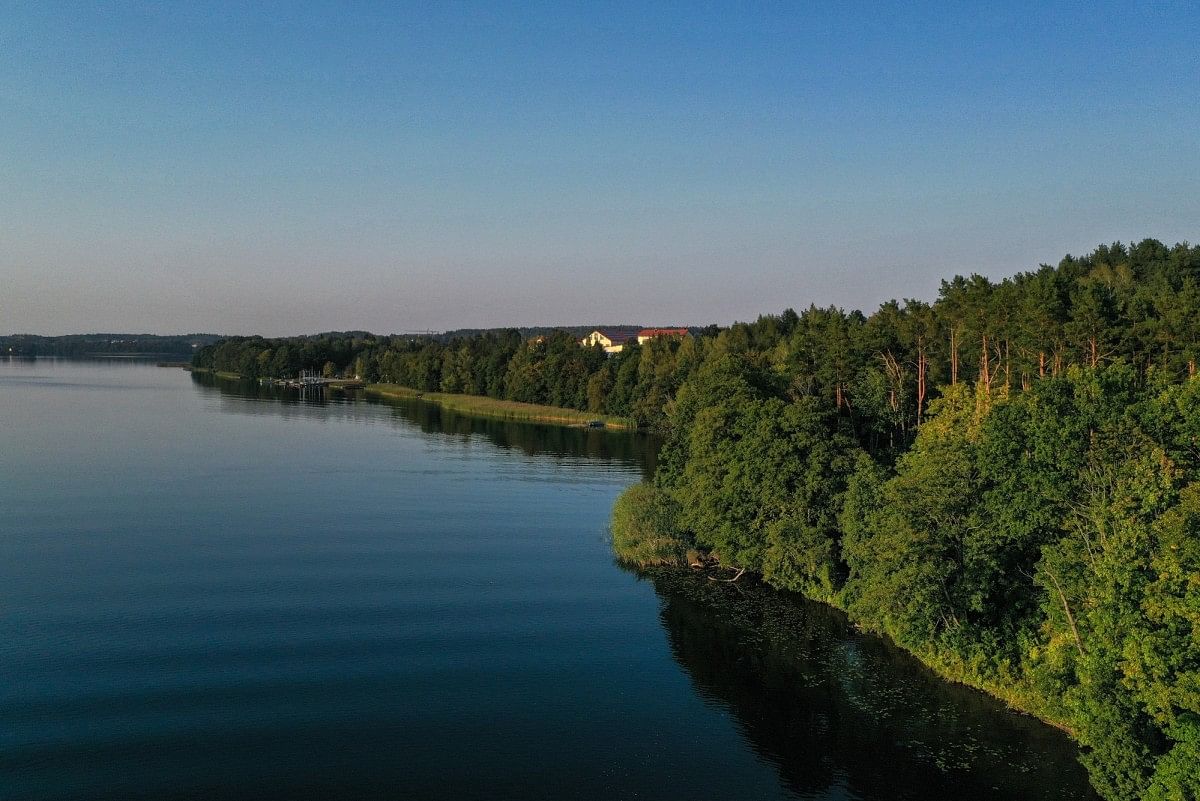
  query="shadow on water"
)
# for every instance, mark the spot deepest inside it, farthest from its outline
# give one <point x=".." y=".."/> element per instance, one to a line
<point x="531" y="439"/>
<point x="842" y="714"/>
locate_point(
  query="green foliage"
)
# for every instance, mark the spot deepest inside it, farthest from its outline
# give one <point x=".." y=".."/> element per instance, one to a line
<point x="1176" y="777"/>
<point x="908" y="549"/>
<point x="1163" y="664"/>
<point x="645" y="528"/>
<point x="758" y="478"/>
<point x="550" y="370"/>
<point x="1042" y="544"/>
<point x="1043" y="540"/>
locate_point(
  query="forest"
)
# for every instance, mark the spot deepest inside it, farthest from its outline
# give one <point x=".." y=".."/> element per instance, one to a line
<point x="76" y="345"/>
<point x="1005" y="480"/>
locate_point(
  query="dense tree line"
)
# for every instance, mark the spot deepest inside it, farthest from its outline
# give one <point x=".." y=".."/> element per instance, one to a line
<point x="637" y="383"/>
<point x="1044" y="544"/>
<point x="876" y="373"/>
<point x="1006" y="482"/>
<point x="31" y="345"/>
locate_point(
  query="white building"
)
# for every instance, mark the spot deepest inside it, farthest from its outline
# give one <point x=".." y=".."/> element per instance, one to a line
<point x="611" y="341"/>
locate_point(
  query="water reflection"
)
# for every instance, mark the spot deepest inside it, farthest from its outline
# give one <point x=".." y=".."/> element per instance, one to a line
<point x="846" y="715"/>
<point x="531" y="439"/>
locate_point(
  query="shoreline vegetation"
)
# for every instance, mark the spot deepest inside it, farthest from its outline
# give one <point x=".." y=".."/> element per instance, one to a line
<point x="644" y="547"/>
<point x="632" y="388"/>
<point x="484" y="406"/>
<point x="1081" y="494"/>
<point x="478" y="405"/>
<point x="1005" y="481"/>
<point x="228" y="376"/>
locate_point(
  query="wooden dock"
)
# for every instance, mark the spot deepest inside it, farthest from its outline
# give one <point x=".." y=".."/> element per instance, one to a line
<point x="311" y="379"/>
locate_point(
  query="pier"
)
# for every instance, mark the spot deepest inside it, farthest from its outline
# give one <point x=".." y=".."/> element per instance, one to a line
<point x="311" y="379"/>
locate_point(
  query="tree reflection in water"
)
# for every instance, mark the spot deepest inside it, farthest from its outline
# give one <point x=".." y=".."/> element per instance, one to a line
<point x="842" y="714"/>
<point x="531" y="439"/>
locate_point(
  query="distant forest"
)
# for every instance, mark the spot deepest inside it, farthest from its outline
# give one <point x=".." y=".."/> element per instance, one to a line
<point x="1006" y="481"/>
<point x="177" y="346"/>
<point x="878" y="372"/>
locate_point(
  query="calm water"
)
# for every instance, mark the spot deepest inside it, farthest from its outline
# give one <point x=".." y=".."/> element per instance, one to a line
<point x="207" y="593"/>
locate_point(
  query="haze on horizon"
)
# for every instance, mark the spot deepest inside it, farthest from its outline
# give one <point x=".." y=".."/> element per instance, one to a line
<point x="278" y="169"/>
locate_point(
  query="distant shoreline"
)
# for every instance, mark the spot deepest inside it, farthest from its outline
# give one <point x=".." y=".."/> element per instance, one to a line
<point x="480" y="405"/>
<point x="504" y="409"/>
<point x="217" y="373"/>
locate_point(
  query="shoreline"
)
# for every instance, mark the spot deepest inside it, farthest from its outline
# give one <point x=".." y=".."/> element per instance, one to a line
<point x="478" y="405"/>
<point x="217" y="373"/>
<point x="484" y="406"/>
<point x="1017" y="702"/>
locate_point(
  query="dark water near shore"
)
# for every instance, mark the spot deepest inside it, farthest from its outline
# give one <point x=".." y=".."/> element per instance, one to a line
<point x="209" y="591"/>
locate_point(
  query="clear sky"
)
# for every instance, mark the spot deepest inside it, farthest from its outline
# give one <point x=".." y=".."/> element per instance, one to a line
<point x="289" y="168"/>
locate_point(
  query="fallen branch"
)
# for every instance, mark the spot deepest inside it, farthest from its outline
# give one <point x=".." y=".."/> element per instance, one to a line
<point x="736" y="576"/>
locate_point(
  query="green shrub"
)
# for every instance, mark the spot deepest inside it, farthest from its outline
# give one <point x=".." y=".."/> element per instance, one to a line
<point x="645" y="529"/>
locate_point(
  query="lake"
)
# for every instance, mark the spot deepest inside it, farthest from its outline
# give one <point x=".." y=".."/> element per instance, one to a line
<point x="210" y="590"/>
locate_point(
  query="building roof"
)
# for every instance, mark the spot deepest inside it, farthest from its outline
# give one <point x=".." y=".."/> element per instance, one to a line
<point x="663" y="332"/>
<point x="613" y="336"/>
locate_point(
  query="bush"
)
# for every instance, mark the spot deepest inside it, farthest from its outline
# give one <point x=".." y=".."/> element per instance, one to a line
<point x="645" y="528"/>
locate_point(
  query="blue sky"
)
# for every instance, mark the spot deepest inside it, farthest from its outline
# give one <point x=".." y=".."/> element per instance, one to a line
<point x="258" y="168"/>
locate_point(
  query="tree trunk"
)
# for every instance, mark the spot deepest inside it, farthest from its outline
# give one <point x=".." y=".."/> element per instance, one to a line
<point x="921" y="367"/>
<point x="985" y="367"/>
<point x="1007" y="366"/>
<point x="1067" y="608"/>
<point x="895" y="374"/>
<point x="953" y="355"/>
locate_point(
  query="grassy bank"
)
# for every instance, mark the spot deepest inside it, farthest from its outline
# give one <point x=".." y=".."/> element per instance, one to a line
<point x="504" y="409"/>
<point x="217" y="373"/>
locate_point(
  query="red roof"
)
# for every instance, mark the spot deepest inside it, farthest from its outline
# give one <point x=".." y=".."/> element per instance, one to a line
<point x="663" y="332"/>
